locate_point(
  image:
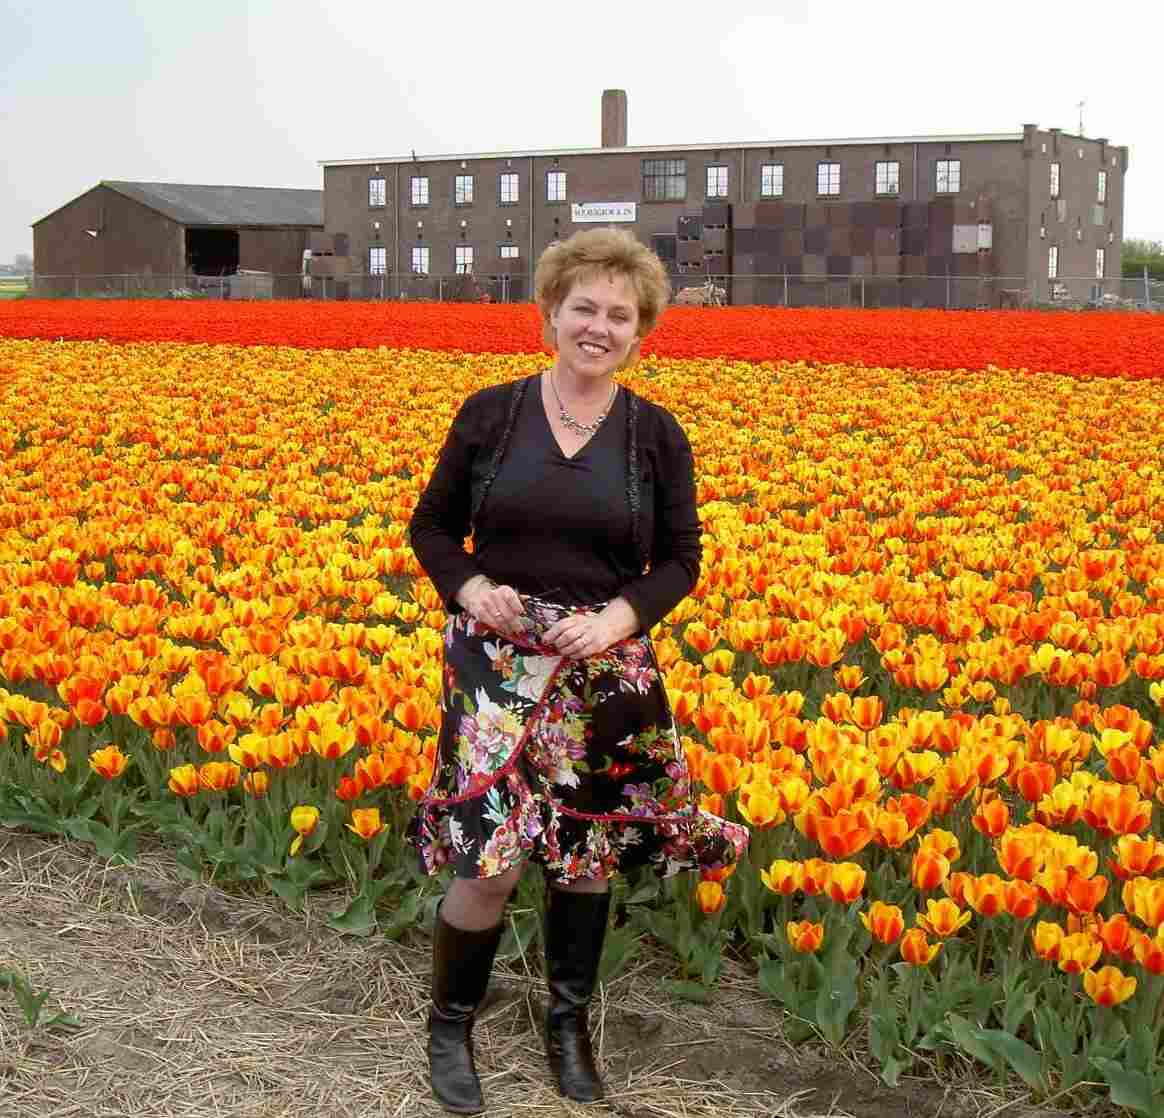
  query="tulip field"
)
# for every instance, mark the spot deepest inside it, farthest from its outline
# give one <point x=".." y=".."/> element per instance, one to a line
<point x="924" y="661"/>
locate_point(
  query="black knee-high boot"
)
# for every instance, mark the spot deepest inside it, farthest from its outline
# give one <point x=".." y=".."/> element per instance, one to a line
<point x="461" y="963"/>
<point x="575" y="930"/>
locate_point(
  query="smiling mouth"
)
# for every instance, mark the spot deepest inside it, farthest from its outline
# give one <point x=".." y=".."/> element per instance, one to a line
<point x="592" y="349"/>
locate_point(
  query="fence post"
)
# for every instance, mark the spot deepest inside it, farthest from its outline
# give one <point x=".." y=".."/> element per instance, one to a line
<point x="126" y="287"/>
<point x="76" y="286"/>
<point x="862" y="293"/>
<point x="1147" y="290"/>
<point x="786" y="291"/>
<point x="947" y="291"/>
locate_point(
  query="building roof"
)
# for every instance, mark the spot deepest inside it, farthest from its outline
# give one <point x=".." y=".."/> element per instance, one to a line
<point x="224" y="205"/>
<point x="985" y="137"/>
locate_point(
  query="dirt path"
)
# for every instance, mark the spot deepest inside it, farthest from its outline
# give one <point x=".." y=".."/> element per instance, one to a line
<point x="194" y="1002"/>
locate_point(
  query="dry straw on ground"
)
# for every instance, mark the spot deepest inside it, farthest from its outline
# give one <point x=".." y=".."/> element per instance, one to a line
<point x="195" y="1002"/>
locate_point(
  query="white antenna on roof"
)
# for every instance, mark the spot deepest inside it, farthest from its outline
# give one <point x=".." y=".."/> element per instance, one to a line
<point x="1080" y="108"/>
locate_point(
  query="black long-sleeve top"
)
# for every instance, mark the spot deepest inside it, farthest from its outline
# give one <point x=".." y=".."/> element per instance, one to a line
<point x="531" y="532"/>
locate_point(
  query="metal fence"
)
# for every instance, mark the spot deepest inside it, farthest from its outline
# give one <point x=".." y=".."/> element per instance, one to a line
<point x="771" y="290"/>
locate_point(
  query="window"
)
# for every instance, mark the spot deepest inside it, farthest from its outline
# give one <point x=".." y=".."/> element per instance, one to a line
<point x="888" y="177"/>
<point x="376" y="192"/>
<point x="377" y="260"/>
<point x="948" y="179"/>
<point x="464" y="259"/>
<point x="1101" y="188"/>
<point x="772" y="180"/>
<point x="664" y="180"/>
<point x="420" y="190"/>
<point x="509" y="188"/>
<point x="463" y="190"/>
<point x="717" y="182"/>
<point x="555" y="186"/>
<point x="1100" y="262"/>
<point x="1053" y="262"/>
<point x="1054" y="180"/>
<point x="828" y="178"/>
<point x="420" y="260"/>
<point x="509" y="252"/>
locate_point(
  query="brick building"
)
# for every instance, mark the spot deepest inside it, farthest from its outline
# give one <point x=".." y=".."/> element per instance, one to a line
<point x="1037" y="212"/>
<point x="169" y="233"/>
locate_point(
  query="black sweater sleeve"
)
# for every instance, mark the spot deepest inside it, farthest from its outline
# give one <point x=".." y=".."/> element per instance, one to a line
<point x="676" y="550"/>
<point x="440" y="521"/>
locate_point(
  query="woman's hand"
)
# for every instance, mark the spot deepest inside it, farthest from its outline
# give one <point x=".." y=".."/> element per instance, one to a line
<point x="582" y="635"/>
<point x="499" y="607"/>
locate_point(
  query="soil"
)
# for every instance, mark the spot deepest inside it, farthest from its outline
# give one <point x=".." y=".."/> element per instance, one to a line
<point x="194" y="1001"/>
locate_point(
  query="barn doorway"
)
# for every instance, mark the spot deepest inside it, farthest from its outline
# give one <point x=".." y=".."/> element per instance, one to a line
<point x="212" y="252"/>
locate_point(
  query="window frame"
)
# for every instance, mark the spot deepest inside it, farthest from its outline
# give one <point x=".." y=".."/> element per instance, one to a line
<point x="462" y="267"/>
<point x="383" y="192"/>
<point x="1101" y="188"/>
<point x="1055" y="179"/>
<point x="722" y="181"/>
<point x="892" y="189"/>
<point x="425" y="254"/>
<point x="826" y="167"/>
<point x="662" y="178"/>
<point x="505" y="253"/>
<point x="461" y="197"/>
<point x="953" y="172"/>
<point x="1101" y="263"/>
<point x="552" y="175"/>
<point x="413" y="191"/>
<point x="771" y="169"/>
<point x="501" y="181"/>
<point x="382" y="250"/>
<point x="1052" y="262"/>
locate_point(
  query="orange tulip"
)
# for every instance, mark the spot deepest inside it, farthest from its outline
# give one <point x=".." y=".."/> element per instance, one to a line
<point x="867" y="712"/>
<point x="1108" y="986"/>
<point x="986" y="894"/>
<point x="184" y="781"/>
<point x="884" y="922"/>
<point x="804" y="936"/>
<point x="710" y="897"/>
<point x="1019" y="855"/>
<point x="1078" y="952"/>
<point x="992" y="818"/>
<point x="845" y="833"/>
<point x="1137" y="857"/>
<point x="257" y="784"/>
<point x="916" y="949"/>
<point x="929" y="869"/>
<point x="955" y="886"/>
<point x="109" y="762"/>
<point x="783" y="877"/>
<point x="366" y="822"/>
<point x="1118" y="937"/>
<point x="1083" y="894"/>
<point x="1143" y="897"/>
<point x="219" y="776"/>
<point x="1021" y="899"/>
<point x="846" y="882"/>
<point x="1150" y="953"/>
<point x="815" y="875"/>
<point x="942" y="842"/>
<point x="943" y="918"/>
<point x="1034" y="781"/>
<point x="1047" y="939"/>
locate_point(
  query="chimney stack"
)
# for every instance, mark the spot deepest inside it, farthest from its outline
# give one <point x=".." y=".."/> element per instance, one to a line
<point x="614" y="118"/>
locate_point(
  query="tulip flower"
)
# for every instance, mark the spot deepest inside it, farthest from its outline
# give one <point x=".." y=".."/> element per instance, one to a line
<point x="257" y="784"/>
<point x="219" y="776"/>
<point x="804" y="936"/>
<point x="986" y="894"/>
<point x="815" y="875"/>
<point x="366" y="822"/>
<point x="991" y="818"/>
<point x="304" y="819"/>
<point x="916" y="949"/>
<point x="1108" y="986"/>
<point x="928" y="870"/>
<point x="955" y="886"/>
<point x="710" y="897"/>
<point x="783" y="877"/>
<point x="1149" y="951"/>
<point x="1078" y="952"/>
<point x="184" y="781"/>
<point x="1083" y="894"/>
<point x="1137" y="857"/>
<point x="1119" y="938"/>
<point x="1047" y="939"/>
<point x="943" y="918"/>
<point x="1021" y="899"/>
<point x="1019" y="855"/>
<point x="884" y="922"/>
<point x="109" y="762"/>
<point x="846" y="882"/>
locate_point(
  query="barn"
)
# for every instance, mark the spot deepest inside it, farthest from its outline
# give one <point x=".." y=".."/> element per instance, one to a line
<point x="149" y="237"/>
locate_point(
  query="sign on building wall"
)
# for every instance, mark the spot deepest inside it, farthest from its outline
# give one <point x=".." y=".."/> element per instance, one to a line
<point x="602" y="211"/>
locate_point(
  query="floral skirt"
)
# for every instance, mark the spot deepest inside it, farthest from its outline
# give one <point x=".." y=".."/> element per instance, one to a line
<point x="575" y="764"/>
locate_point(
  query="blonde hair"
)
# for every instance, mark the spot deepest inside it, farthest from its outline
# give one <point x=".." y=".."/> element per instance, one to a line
<point x="594" y="252"/>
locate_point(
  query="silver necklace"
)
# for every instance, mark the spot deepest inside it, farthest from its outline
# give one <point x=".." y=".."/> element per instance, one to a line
<point x="572" y="424"/>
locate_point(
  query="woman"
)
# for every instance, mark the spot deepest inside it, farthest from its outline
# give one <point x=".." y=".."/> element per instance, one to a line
<point x="557" y="743"/>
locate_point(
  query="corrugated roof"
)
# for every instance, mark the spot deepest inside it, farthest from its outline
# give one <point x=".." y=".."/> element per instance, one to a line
<point x="226" y="205"/>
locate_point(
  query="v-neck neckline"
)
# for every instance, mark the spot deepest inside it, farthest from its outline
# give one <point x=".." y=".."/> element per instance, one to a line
<point x="550" y="423"/>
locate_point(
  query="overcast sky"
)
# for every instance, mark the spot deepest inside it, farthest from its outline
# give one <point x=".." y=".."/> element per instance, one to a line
<point x="256" y="92"/>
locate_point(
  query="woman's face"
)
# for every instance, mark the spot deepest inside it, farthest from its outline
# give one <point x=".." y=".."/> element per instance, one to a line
<point x="597" y="324"/>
